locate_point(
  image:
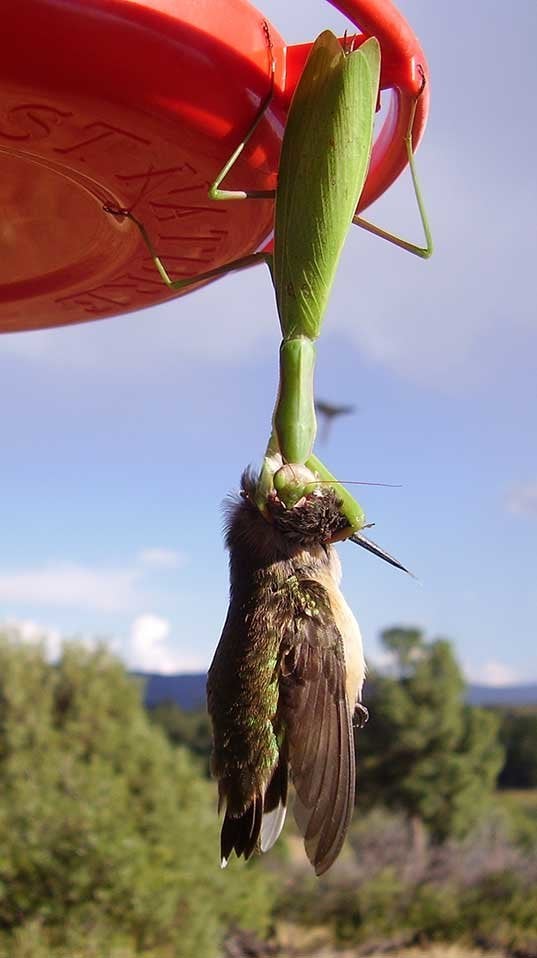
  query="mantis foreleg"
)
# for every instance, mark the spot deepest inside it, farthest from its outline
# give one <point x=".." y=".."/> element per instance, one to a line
<point x="349" y="507"/>
<point x="289" y="468"/>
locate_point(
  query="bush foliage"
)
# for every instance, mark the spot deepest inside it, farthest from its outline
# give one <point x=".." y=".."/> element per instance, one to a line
<point x="109" y="836"/>
<point x="478" y="891"/>
<point x="106" y="829"/>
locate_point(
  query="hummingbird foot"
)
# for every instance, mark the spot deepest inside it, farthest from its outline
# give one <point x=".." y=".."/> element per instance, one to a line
<point x="361" y="715"/>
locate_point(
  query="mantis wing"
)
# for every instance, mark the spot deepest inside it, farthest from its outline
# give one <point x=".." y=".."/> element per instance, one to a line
<point x="323" y="166"/>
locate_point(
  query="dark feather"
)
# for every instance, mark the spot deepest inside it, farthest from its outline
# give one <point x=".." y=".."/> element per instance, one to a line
<point x="315" y="713"/>
<point x="241" y="834"/>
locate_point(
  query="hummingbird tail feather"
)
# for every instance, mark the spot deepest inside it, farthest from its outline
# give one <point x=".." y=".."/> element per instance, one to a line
<point x="241" y="833"/>
<point x="271" y="827"/>
<point x="260" y="824"/>
<point x="275" y="804"/>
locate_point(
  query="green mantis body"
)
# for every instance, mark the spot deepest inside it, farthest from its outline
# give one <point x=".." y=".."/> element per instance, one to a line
<point x="323" y="166"/>
<point x="310" y="227"/>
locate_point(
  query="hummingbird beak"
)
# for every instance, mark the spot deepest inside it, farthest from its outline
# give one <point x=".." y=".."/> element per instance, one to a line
<point x="366" y="543"/>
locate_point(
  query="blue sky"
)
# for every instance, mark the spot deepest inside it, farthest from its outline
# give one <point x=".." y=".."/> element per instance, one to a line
<point x="121" y="438"/>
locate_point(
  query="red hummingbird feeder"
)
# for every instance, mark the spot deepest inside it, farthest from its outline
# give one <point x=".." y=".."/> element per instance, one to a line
<point x="136" y="104"/>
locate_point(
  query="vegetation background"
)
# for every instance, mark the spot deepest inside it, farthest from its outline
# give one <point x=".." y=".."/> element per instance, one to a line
<point x="109" y="833"/>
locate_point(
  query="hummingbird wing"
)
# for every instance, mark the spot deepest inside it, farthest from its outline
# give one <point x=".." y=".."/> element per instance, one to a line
<point x="315" y="712"/>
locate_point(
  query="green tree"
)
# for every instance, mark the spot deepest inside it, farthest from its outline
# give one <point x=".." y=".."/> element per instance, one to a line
<point x="518" y="733"/>
<point x="424" y="751"/>
<point x="191" y="729"/>
<point x="104" y="825"/>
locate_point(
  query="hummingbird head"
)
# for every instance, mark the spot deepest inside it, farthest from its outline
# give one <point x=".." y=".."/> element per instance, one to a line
<point x="257" y="540"/>
<point x="313" y="519"/>
<point x="292" y="482"/>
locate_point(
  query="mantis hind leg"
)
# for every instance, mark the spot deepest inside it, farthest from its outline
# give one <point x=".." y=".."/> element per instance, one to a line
<point x="242" y="263"/>
<point x="424" y="251"/>
<point x="215" y="193"/>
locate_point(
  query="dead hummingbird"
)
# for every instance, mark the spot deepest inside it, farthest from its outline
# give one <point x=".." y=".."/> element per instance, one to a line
<point x="286" y="679"/>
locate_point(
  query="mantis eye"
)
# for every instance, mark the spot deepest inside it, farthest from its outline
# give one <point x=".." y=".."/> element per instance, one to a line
<point x="291" y="482"/>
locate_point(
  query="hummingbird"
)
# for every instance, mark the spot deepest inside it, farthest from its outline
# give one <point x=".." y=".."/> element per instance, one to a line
<point x="286" y="679"/>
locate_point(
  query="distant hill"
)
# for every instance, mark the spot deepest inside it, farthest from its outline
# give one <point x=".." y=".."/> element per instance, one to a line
<point x="502" y="695"/>
<point x="188" y="691"/>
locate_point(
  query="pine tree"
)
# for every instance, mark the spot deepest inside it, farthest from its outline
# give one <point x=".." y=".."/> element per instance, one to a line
<point x="424" y="751"/>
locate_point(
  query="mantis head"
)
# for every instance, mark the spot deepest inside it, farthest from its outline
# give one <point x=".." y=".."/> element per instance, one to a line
<point x="292" y="482"/>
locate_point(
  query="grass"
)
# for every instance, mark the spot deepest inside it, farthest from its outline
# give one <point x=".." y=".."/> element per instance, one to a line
<point x="520" y="807"/>
<point x="295" y="942"/>
<point x="436" y="951"/>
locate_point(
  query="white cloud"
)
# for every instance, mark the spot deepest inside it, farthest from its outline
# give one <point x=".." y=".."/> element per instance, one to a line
<point x="33" y="633"/>
<point x="149" y="648"/>
<point x="522" y="499"/>
<point x="159" y="558"/>
<point x="70" y="585"/>
<point x="494" y="673"/>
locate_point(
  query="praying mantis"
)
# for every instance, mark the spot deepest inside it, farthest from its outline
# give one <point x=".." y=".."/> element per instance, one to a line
<point x="323" y="165"/>
<point x="288" y="671"/>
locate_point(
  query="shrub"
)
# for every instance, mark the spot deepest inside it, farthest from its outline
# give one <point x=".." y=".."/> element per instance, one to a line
<point x="105" y="827"/>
